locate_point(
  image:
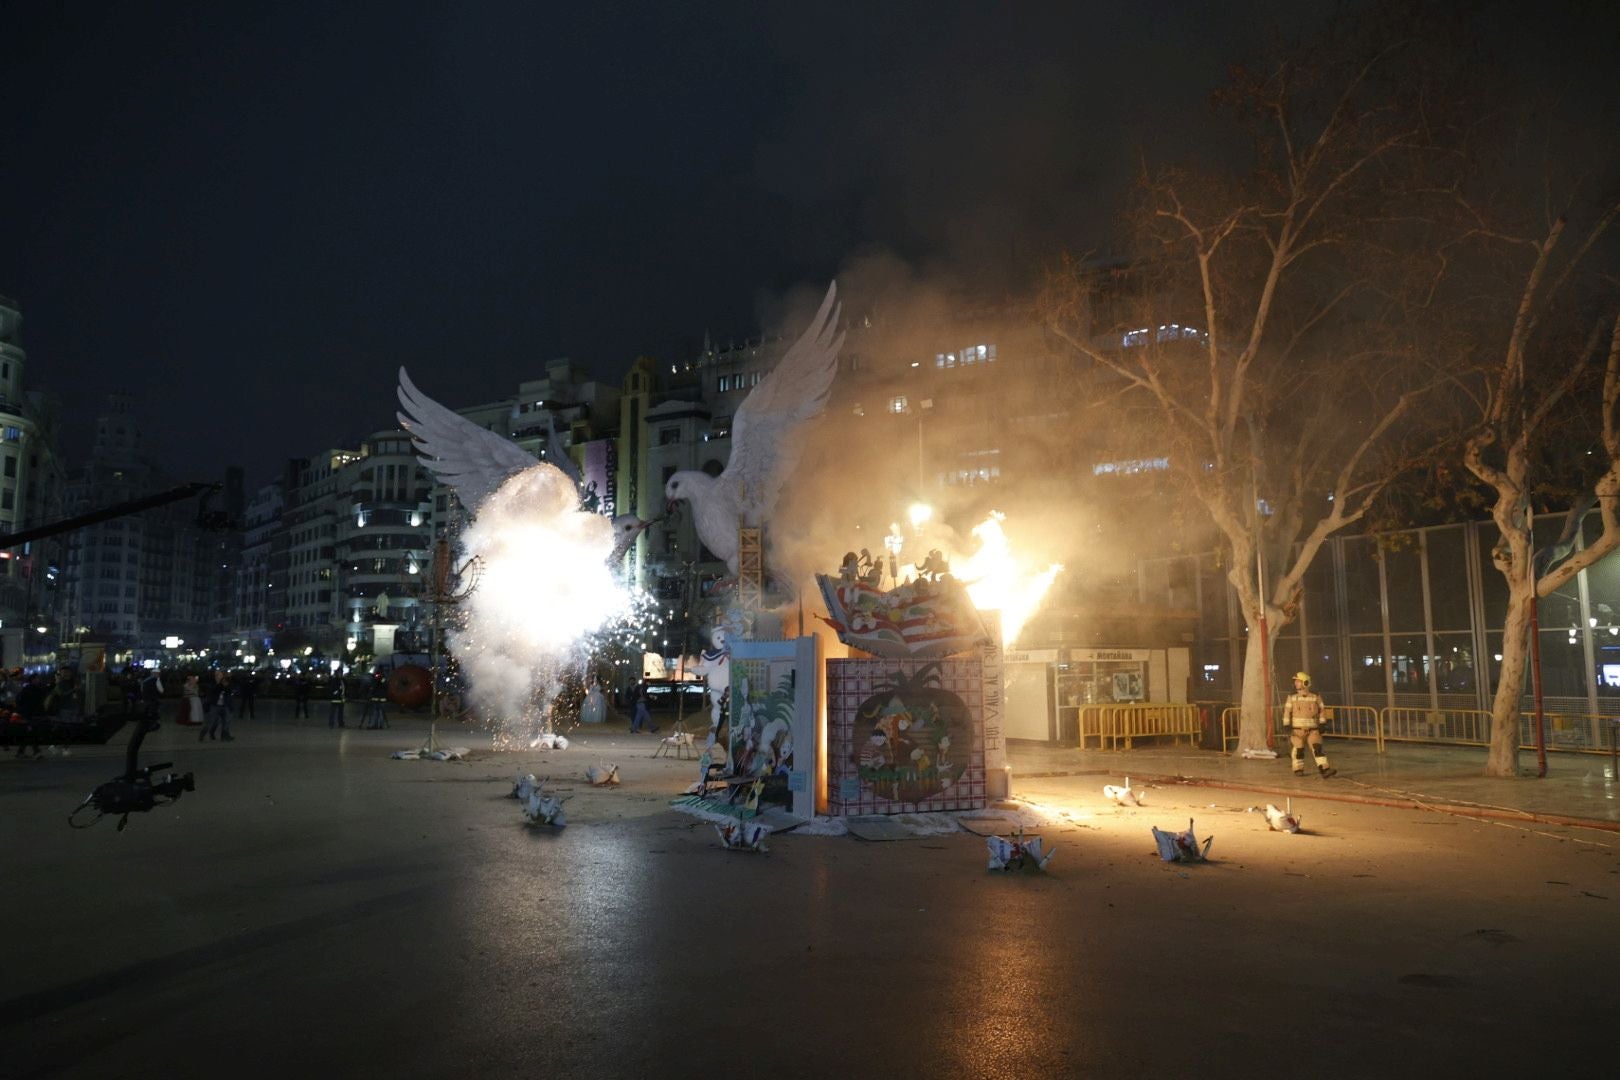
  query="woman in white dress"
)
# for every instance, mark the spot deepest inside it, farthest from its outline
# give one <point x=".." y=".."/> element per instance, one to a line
<point x="594" y="710"/>
<point x="192" y="697"/>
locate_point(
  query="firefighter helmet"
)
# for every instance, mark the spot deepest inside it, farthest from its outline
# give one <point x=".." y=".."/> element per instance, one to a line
<point x="1302" y="677"/>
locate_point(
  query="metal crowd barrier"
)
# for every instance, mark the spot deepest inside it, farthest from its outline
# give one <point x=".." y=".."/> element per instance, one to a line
<point x="1456" y="727"/>
<point x="1568" y="732"/>
<point x="1089" y="723"/>
<point x="1111" y="724"/>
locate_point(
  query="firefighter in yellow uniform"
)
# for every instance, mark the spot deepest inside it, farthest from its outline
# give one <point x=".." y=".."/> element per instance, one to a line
<point x="1302" y="716"/>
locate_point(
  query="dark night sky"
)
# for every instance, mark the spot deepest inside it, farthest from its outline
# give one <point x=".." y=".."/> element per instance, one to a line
<point x="251" y="214"/>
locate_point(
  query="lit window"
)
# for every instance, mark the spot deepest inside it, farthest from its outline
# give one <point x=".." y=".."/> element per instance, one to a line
<point x="897" y="404"/>
<point x="1130" y="468"/>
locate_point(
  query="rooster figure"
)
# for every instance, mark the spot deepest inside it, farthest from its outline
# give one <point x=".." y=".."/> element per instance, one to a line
<point x="541" y="808"/>
<point x="1282" y="820"/>
<point x="1124" y="796"/>
<point x="524" y="787"/>
<point x="1018" y="852"/>
<point x="739" y="836"/>
<point x="1183" y="846"/>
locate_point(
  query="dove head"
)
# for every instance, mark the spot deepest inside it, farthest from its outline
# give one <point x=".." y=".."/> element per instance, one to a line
<point x="686" y="485"/>
<point x="626" y="527"/>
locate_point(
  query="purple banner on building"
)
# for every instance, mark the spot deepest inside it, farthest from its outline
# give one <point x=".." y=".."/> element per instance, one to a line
<point x="601" y="469"/>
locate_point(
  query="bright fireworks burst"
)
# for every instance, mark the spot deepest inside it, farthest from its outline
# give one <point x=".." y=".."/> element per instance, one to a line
<point x="546" y="597"/>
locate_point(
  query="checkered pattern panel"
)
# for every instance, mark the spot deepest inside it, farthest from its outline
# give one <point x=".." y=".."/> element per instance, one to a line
<point x="850" y="683"/>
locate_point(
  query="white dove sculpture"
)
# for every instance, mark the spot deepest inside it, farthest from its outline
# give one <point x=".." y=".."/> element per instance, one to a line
<point x="474" y="462"/>
<point x="765" y="443"/>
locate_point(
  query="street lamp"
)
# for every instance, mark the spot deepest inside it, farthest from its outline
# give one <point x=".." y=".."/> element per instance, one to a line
<point x="922" y="407"/>
<point x="894" y="542"/>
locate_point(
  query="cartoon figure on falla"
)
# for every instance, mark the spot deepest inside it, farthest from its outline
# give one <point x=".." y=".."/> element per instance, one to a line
<point x="912" y="725"/>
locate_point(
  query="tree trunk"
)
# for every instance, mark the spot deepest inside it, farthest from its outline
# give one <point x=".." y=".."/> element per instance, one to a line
<point x="1257" y="661"/>
<point x="1506" y="706"/>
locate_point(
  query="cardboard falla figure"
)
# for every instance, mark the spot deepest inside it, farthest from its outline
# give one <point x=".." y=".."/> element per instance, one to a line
<point x="542" y="808"/>
<point x="1124" y="796"/>
<point x="1018" y="852"/>
<point x="603" y="775"/>
<point x="714" y="664"/>
<point x="1183" y="846"/>
<point x="741" y="836"/>
<point x="766" y="440"/>
<point x="1282" y="820"/>
<point x="524" y="787"/>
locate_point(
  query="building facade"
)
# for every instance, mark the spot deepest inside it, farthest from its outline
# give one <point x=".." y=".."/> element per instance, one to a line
<point x="31" y="488"/>
<point x="1411" y="619"/>
<point x="143" y="579"/>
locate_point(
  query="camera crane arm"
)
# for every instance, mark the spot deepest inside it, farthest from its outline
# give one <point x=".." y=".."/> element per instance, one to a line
<point x="118" y="510"/>
<point x="136" y="790"/>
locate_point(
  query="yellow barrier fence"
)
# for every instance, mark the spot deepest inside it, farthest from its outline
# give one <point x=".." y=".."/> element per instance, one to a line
<point x="1141" y="721"/>
<point x="1352" y="722"/>
<point x="1579" y="732"/>
<point x="1090" y="724"/>
<point x="1462" y="727"/>
<point x="1342" y="721"/>
<point x="1567" y="732"/>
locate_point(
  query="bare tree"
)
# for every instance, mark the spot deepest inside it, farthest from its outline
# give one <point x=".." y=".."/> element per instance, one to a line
<point x="1544" y="380"/>
<point x="1262" y="327"/>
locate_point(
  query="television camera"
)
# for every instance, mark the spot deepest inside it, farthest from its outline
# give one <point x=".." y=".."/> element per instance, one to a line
<point x="136" y="791"/>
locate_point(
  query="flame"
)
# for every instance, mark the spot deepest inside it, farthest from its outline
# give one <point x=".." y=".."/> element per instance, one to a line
<point x="996" y="581"/>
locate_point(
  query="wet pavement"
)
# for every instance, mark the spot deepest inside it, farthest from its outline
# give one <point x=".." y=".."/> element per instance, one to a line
<point x="317" y="907"/>
<point x="1577" y="787"/>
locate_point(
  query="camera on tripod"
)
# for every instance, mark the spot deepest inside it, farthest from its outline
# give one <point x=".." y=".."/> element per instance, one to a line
<point x="137" y="791"/>
<point x="134" y="795"/>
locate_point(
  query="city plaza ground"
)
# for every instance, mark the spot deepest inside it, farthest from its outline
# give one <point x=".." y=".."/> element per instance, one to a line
<point x="316" y="907"/>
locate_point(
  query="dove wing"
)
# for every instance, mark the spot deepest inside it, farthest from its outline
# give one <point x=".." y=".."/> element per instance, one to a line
<point x="766" y="432"/>
<point x="558" y="454"/>
<point x="472" y="461"/>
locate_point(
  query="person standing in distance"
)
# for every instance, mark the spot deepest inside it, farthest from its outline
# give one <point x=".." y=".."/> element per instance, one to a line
<point x="1302" y="716"/>
<point x="340" y="698"/>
